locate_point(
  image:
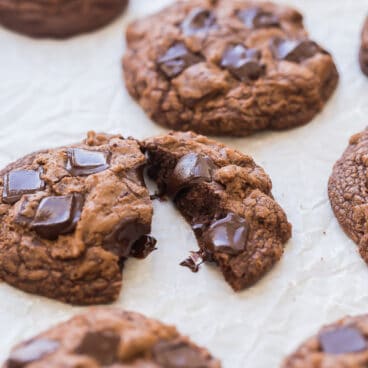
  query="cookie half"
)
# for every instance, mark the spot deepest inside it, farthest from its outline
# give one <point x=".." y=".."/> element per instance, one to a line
<point x="111" y="338"/>
<point x="343" y="344"/>
<point x="71" y="216"/>
<point x="348" y="191"/>
<point x="227" y="67"/>
<point x="227" y="200"/>
<point x="363" y="55"/>
<point x="58" y="18"/>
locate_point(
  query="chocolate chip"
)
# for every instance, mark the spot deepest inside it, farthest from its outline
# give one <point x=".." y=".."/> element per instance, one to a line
<point x="102" y="346"/>
<point x="244" y="64"/>
<point x="342" y="340"/>
<point x="83" y="162"/>
<point x="295" y="51"/>
<point x="194" y="261"/>
<point x="32" y="351"/>
<point x="198" y="20"/>
<point x="176" y="59"/>
<point x="143" y="247"/>
<point x="57" y="215"/>
<point x="258" y="18"/>
<point x="192" y="168"/>
<point x="20" y="182"/>
<point x="178" y="355"/>
<point x="123" y="238"/>
<point x="228" y="235"/>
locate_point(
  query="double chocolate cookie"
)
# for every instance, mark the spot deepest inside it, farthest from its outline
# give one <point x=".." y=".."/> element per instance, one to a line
<point x="348" y="191"/>
<point x="58" y="18"/>
<point x="71" y="216"/>
<point x="227" y="67"/>
<point x="363" y="56"/>
<point x="343" y="344"/>
<point x="111" y="338"/>
<point x="227" y="200"/>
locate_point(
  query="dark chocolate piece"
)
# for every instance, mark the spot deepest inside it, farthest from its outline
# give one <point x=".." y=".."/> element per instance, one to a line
<point x="57" y="215"/>
<point x="20" y="182"/>
<point x="191" y="169"/>
<point x="258" y="18"/>
<point x="34" y="350"/>
<point x="228" y="235"/>
<point x="295" y="51"/>
<point x="176" y="59"/>
<point x="83" y="162"/>
<point x="244" y="64"/>
<point x="194" y="260"/>
<point x="198" y="20"/>
<point x="342" y="340"/>
<point x="101" y="345"/>
<point x="143" y="247"/>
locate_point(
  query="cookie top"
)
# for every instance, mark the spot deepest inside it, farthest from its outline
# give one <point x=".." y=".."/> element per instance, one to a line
<point x="343" y="344"/>
<point x="227" y="67"/>
<point x="111" y="338"/>
<point x="71" y="216"/>
<point x="226" y="198"/>
<point x="363" y="56"/>
<point x="348" y="191"/>
<point x="58" y="18"/>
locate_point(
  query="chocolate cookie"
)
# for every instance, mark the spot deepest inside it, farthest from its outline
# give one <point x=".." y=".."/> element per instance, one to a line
<point x="58" y="18"/>
<point x="363" y="56"/>
<point x="227" y="67"/>
<point x="71" y="216"/>
<point x="111" y="338"/>
<point x="348" y="191"/>
<point x="227" y="200"/>
<point x="343" y="344"/>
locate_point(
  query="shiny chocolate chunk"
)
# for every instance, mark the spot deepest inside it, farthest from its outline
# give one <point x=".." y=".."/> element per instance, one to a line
<point x="294" y="51"/>
<point x="342" y="340"/>
<point x="20" y="182"/>
<point x="102" y="346"/>
<point x="228" y="235"/>
<point x="258" y="18"/>
<point x="198" y="20"/>
<point x="143" y="247"/>
<point x="178" y="355"/>
<point x="176" y="59"/>
<point x="83" y="162"/>
<point x="244" y="64"/>
<point x="129" y="231"/>
<point x="191" y="169"/>
<point x="194" y="260"/>
<point x="57" y="215"/>
<point x="32" y="351"/>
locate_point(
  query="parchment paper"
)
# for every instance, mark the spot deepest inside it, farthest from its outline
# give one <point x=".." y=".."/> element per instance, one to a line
<point x="52" y="92"/>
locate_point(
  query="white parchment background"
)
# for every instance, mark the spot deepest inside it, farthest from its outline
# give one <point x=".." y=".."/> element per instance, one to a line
<point x="51" y="93"/>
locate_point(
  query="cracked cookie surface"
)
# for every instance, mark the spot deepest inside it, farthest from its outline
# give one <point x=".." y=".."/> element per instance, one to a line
<point x="363" y="55"/>
<point x="113" y="338"/>
<point x="343" y="344"/>
<point x="71" y="216"/>
<point x="227" y="67"/>
<point x="227" y="200"/>
<point x="348" y="191"/>
<point x="58" y="18"/>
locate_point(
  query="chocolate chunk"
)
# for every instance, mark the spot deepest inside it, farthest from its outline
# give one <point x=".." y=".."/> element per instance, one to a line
<point x="244" y="64"/>
<point x="102" y="346"/>
<point x="20" y="182"/>
<point x="194" y="261"/>
<point x="57" y="215"/>
<point x="123" y="238"/>
<point x="178" y="355"/>
<point x="82" y="162"/>
<point x="192" y="168"/>
<point x="143" y="247"/>
<point x="228" y="235"/>
<point x="198" y="20"/>
<point x="258" y="18"/>
<point x="176" y="59"/>
<point x="31" y="352"/>
<point x="342" y="340"/>
<point x="295" y="51"/>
